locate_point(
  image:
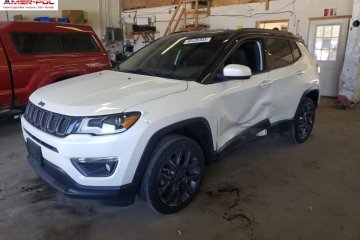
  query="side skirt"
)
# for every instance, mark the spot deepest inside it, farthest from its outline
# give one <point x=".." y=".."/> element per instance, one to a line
<point x="250" y="134"/>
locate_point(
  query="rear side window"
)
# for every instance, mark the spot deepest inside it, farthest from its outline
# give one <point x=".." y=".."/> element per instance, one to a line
<point x="53" y="43"/>
<point x="278" y="53"/>
<point x="295" y="50"/>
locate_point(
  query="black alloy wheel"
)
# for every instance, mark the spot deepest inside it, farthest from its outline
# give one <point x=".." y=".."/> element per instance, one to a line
<point x="303" y="121"/>
<point x="174" y="174"/>
<point x="179" y="177"/>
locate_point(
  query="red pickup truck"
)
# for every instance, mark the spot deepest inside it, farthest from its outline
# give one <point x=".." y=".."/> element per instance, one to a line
<point x="34" y="54"/>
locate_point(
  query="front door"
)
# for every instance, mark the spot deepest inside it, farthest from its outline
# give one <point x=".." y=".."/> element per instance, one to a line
<point x="327" y="42"/>
<point x="243" y="103"/>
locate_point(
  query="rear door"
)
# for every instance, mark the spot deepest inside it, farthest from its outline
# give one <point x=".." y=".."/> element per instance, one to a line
<point x="5" y="80"/>
<point x="285" y="71"/>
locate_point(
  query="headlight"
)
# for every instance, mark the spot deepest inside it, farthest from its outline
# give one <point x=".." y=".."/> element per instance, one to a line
<point x="110" y="124"/>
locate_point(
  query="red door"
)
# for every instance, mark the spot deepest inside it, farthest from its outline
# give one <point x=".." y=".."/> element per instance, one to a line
<point x="5" y="80"/>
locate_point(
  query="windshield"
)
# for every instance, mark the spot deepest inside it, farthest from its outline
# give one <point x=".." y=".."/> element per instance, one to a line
<point x="182" y="56"/>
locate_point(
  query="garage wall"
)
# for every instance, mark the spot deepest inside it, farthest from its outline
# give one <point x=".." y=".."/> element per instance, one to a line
<point x="231" y="16"/>
<point x="131" y="4"/>
<point x="245" y="15"/>
<point x="298" y="13"/>
<point x="350" y="75"/>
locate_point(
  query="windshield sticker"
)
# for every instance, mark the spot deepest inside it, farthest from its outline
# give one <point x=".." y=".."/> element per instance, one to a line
<point x="197" y="40"/>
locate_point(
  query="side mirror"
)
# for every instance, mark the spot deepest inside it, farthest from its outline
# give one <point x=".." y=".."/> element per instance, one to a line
<point x="237" y="71"/>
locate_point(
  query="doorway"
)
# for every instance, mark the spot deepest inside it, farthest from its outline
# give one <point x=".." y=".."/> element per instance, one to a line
<point x="282" y="25"/>
<point x="327" y="42"/>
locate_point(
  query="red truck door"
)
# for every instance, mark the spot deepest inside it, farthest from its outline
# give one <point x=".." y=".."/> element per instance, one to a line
<point x="5" y="80"/>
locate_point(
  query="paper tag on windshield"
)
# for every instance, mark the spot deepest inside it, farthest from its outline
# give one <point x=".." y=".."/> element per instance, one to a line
<point x="197" y="40"/>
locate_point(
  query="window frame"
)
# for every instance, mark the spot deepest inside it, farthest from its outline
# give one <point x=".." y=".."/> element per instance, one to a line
<point x="330" y="38"/>
<point x="300" y="53"/>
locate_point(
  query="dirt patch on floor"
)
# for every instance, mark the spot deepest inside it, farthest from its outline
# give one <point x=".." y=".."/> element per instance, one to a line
<point x="37" y="191"/>
<point x="78" y="231"/>
<point x="232" y="204"/>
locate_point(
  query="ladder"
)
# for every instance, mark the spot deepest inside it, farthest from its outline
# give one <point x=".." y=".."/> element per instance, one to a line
<point x="188" y="11"/>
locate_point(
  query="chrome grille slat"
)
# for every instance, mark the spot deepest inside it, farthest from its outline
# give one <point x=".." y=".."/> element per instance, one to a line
<point x="44" y="120"/>
<point x="31" y="109"/>
<point x="34" y="116"/>
<point x="53" y="123"/>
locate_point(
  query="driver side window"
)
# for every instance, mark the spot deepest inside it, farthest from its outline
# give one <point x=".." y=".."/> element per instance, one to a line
<point x="249" y="54"/>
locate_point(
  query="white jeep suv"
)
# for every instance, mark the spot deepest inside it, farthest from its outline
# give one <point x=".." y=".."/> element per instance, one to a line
<point x="172" y="107"/>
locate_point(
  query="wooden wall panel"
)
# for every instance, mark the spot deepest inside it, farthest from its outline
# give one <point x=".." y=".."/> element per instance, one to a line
<point x="134" y="4"/>
<point x="217" y="3"/>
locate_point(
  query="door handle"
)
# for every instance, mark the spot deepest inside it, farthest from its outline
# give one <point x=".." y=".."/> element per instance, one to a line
<point x="300" y="72"/>
<point x="265" y="83"/>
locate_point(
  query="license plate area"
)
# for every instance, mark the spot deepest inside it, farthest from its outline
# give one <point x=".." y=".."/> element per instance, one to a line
<point x="34" y="151"/>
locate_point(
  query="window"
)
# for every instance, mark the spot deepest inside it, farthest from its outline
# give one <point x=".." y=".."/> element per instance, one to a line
<point x="295" y="50"/>
<point x="278" y="53"/>
<point x="78" y="43"/>
<point x="180" y="56"/>
<point x="326" y="43"/>
<point x="248" y="54"/>
<point x="282" y="24"/>
<point x="53" y="43"/>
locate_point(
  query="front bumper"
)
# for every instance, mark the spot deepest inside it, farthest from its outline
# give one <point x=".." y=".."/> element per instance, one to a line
<point x="52" y="161"/>
<point x="62" y="182"/>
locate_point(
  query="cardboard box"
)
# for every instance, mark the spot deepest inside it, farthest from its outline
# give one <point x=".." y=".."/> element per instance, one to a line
<point x="60" y="20"/>
<point x="74" y="16"/>
<point x="129" y="34"/>
<point x="18" y="17"/>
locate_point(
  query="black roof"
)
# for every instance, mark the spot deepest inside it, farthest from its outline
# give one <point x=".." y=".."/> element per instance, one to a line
<point x="245" y="31"/>
<point x="268" y="32"/>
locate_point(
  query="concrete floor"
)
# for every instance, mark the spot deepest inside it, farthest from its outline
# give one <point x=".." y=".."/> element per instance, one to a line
<point x="267" y="189"/>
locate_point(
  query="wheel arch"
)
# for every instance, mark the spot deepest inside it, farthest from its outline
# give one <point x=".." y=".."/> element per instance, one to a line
<point x="197" y="129"/>
<point x="313" y="94"/>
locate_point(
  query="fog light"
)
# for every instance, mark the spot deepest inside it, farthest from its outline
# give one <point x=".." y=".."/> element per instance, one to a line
<point x="95" y="167"/>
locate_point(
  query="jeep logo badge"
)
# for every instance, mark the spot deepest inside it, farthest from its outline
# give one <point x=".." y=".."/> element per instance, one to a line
<point x="41" y="103"/>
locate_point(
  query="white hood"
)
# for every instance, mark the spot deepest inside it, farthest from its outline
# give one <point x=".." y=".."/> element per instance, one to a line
<point x="103" y="93"/>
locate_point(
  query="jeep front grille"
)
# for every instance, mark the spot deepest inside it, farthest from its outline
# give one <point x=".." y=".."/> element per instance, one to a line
<point x="53" y="123"/>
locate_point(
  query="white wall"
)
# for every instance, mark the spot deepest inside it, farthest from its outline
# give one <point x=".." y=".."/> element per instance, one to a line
<point x="298" y="12"/>
<point x="350" y="75"/>
<point x="230" y="17"/>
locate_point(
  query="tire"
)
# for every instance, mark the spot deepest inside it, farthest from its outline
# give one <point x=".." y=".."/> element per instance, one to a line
<point x="303" y="122"/>
<point x="174" y="174"/>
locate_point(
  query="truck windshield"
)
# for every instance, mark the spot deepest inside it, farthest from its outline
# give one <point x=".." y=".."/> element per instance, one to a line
<point x="182" y="56"/>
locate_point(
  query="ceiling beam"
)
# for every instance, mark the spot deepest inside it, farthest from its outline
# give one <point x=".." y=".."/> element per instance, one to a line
<point x="131" y="4"/>
<point x="267" y="4"/>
